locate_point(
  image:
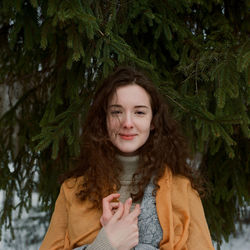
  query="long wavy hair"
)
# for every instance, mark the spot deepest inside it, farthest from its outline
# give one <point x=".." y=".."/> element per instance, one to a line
<point x="165" y="147"/>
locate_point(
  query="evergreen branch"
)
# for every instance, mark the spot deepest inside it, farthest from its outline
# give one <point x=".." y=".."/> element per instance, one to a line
<point x="19" y="102"/>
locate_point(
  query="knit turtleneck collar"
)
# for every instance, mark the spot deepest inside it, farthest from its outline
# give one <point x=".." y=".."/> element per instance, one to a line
<point x="129" y="165"/>
<point x="128" y="159"/>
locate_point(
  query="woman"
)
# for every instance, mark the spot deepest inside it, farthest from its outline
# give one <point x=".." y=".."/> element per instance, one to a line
<point x="132" y="150"/>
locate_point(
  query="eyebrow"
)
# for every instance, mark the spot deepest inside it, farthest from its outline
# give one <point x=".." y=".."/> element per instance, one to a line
<point x="120" y="106"/>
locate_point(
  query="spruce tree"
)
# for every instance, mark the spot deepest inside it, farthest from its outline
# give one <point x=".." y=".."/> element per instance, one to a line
<point x="54" y="55"/>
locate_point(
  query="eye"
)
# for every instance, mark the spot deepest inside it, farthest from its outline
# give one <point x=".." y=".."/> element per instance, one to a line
<point x="115" y="112"/>
<point x="139" y="112"/>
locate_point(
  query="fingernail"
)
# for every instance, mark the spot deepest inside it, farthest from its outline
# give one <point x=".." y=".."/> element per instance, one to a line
<point x="130" y="200"/>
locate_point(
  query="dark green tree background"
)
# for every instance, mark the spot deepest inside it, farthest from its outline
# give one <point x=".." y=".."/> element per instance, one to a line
<point x="54" y="54"/>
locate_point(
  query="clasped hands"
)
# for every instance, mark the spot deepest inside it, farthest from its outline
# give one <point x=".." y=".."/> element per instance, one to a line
<point x="120" y="225"/>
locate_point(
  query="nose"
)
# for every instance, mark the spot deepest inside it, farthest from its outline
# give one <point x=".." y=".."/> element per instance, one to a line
<point x="127" y="121"/>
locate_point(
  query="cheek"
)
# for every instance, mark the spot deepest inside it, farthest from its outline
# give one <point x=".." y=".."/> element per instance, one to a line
<point x="112" y="125"/>
<point x="148" y="130"/>
<point x="148" y="125"/>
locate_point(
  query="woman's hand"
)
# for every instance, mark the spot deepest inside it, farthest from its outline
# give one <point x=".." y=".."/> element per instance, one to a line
<point x="109" y="207"/>
<point x="122" y="228"/>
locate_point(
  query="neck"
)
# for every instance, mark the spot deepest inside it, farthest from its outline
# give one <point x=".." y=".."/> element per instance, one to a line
<point x="129" y="166"/>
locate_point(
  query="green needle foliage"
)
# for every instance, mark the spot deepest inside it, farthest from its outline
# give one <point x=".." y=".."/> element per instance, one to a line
<point x="54" y="54"/>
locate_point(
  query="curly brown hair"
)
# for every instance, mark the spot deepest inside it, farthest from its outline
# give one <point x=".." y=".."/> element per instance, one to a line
<point x="165" y="147"/>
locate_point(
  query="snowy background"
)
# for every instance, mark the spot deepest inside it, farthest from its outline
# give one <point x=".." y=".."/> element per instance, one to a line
<point x="241" y="242"/>
<point x="34" y="230"/>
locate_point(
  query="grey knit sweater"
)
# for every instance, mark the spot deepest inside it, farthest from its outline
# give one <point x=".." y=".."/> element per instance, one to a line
<point x="150" y="231"/>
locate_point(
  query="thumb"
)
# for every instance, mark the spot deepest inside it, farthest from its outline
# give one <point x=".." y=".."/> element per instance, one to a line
<point x="119" y="212"/>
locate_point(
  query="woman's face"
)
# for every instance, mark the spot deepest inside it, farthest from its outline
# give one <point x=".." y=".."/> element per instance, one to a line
<point x="129" y="117"/>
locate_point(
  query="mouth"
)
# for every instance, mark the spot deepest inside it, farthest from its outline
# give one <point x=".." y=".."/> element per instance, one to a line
<point x="127" y="136"/>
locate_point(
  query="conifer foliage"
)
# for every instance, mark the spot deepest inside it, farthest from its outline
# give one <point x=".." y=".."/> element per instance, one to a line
<point x="54" y="54"/>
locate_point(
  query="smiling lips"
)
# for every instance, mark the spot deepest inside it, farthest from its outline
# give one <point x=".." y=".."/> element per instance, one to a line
<point x="127" y="136"/>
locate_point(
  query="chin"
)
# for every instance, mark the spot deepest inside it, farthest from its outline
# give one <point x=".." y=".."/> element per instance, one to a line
<point x="127" y="152"/>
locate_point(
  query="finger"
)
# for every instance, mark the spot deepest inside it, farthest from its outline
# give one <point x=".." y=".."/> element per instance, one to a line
<point x="110" y="197"/>
<point x="106" y="201"/>
<point x="127" y="206"/>
<point x="113" y="205"/>
<point x="102" y="221"/>
<point x="119" y="212"/>
<point x="136" y="212"/>
<point x="106" y="213"/>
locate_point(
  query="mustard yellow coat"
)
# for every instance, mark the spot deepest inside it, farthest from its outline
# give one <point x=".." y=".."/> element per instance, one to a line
<point x="178" y="206"/>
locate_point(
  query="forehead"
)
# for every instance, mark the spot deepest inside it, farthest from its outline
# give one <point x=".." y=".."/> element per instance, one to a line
<point x="132" y="94"/>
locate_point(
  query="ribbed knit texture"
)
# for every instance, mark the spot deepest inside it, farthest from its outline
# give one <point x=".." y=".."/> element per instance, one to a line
<point x="101" y="242"/>
<point x="130" y="164"/>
